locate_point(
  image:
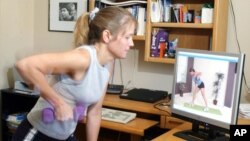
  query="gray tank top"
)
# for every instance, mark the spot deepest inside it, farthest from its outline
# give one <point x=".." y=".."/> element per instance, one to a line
<point x="87" y="91"/>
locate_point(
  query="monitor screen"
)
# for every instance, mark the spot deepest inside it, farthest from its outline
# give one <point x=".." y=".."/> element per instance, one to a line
<point x="206" y="90"/>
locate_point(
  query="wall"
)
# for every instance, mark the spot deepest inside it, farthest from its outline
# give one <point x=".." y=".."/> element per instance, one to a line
<point x="19" y="38"/>
<point x="138" y="73"/>
<point x="44" y="40"/>
<point x="241" y="25"/>
<point x="16" y="35"/>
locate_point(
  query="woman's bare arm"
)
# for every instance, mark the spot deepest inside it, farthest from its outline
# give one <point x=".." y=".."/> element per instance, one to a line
<point x="33" y="70"/>
<point x="94" y="114"/>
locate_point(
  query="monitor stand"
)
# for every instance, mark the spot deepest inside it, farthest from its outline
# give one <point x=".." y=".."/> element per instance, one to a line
<point x="201" y="133"/>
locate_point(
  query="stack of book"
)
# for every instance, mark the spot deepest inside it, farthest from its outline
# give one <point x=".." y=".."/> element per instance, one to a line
<point x="166" y="11"/>
<point x="136" y="7"/>
<point x="14" y="120"/>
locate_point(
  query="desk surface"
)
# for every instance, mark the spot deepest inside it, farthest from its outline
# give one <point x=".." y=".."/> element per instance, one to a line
<point x="116" y="102"/>
<point x="136" y="126"/>
<point x="186" y="126"/>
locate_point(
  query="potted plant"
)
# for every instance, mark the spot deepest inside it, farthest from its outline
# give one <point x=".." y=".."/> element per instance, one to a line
<point x="181" y="87"/>
<point x="217" y="86"/>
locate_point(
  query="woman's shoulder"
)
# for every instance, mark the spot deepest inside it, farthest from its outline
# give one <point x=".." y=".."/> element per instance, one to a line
<point x="82" y="55"/>
<point x="88" y="49"/>
<point x="85" y="47"/>
<point x="83" y="51"/>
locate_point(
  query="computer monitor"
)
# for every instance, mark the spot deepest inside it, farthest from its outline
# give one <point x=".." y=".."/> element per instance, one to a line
<point x="206" y="92"/>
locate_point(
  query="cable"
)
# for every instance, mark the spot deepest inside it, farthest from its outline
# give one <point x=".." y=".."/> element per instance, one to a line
<point x="119" y="136"/>
<point x="113" y="73"/>
<point x="133" y="79"/>
<point x="121" y="71"/>
<point x="162" y="104"/>
<point x="237" y="40"/>
<point x="234" y="23"/>
<point x="126" y="86"/>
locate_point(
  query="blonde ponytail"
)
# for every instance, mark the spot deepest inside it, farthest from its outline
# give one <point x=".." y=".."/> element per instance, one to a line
<point x="81" y="30"/>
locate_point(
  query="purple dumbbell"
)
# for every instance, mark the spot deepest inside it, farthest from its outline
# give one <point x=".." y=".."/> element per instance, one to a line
<point x="48" y="114"/>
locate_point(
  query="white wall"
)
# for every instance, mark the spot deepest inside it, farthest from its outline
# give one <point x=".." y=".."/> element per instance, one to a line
<point x="16" y="35"/>
<point x="24" y="31"/>
<point x="242" y="22"/>
<point x="44" y="40"/>
<point x="138" y="73"/>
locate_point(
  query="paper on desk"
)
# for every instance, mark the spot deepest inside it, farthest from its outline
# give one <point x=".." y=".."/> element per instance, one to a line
<point x="244" y="110"/>
<point x="245" y="107"/>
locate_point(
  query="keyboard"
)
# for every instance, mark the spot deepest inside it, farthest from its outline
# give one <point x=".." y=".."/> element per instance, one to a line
<point x="117" y="115"/>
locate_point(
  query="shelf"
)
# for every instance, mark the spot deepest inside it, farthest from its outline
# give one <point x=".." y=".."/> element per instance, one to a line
<point x="161" y="60"/>
<point x="183" y="25"/>
<point x="142" y="37"/>
<point x="204" y="36"/>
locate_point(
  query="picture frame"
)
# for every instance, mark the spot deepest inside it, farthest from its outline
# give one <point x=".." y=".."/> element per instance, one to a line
<point x="64" y="13"/>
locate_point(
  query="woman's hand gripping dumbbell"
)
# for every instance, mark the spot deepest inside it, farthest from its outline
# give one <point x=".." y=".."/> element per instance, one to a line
<point x="48" y="114"/>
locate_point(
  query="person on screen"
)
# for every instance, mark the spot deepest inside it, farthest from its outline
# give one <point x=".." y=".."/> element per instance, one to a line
<point x="100" y="37"/>
<point x="199" y="86"/>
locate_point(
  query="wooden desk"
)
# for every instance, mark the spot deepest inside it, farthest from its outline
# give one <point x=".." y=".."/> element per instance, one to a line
<point x="169" y="135"/>
<point x="166" y="121"/>
<point x="116" y="102"/>
<point x="244" y="121"/>
<point x="137" y="126"/>
<point x="186" y="126"/>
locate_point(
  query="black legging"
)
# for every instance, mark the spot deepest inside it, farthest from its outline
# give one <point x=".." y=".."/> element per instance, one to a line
<point x="26" y="129"/>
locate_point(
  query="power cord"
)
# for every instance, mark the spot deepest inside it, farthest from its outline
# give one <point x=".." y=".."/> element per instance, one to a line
<point x="133" y="76"/>
<point x="164" y="103"/>
<point x="113" y="73"/>
<point x="119" y="136"/>
<point x="121" y="73"/>
<point x="133" y="79"/>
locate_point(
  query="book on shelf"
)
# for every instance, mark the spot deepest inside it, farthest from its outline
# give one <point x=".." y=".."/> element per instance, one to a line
<point x="139" y="13"/>
<point x="136" y="7"/>
<point x="167" y="4"/>
<point x="155" y="11"/>
<point x="141" y="19"/>
<point x="166" y="11"/>
<point x="124" y="3"/>
<point x="159" y="45"/>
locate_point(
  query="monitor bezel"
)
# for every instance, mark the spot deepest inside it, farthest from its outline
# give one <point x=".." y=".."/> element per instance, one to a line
<point x="212" y="122"/>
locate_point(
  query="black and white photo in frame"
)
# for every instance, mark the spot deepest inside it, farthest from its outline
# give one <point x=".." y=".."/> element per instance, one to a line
<point x="64" y="13"/>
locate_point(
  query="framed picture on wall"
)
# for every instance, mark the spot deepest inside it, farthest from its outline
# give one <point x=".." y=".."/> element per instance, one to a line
<point x="64" y="13"/>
